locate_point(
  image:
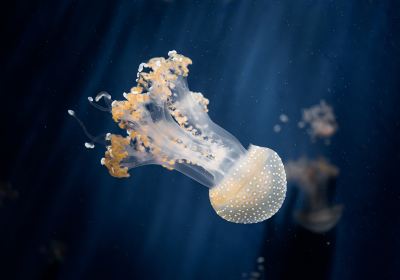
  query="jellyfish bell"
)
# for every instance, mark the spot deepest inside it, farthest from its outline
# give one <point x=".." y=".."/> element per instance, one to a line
<point x="167" y="124"/>
<point x="254" y="188"/>
<point x="321" y="220"/>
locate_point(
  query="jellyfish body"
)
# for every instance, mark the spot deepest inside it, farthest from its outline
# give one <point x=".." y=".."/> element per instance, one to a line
<point x="167" y="124"/>
<point x="316" y="179"/>
<point x="321" y="120"/>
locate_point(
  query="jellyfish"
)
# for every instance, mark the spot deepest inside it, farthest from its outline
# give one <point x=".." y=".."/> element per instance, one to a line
<point x="167" y="124"/>
<point x="321" y="121"/>
<point x="316" y="179"/>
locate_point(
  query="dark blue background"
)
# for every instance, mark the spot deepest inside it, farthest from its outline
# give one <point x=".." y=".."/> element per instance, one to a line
<point x="254" y="60"/>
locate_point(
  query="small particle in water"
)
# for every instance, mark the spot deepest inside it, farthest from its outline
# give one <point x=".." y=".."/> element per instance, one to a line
<point x="277" y="128"/>
<point x="258" y="273"/>
<point x="283" y="118"/>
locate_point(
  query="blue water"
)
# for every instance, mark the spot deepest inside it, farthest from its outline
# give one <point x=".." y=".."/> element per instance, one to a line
<point x="253" y="60"/>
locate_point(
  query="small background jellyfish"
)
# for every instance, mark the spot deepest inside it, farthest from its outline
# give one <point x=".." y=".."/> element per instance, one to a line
<point x="168" y="125"/>
<point x="317" y="180"/>
<point x="320" y="121"/>
<point x="311" y="239"/>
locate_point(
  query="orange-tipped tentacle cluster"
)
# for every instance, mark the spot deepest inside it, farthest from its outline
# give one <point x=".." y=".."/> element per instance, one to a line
<point x="155" y="86"/>
<point x="115" y="153"/>
<point x="131" y="108"/>
<point x="201" y="100"/>
<point x="160" y="80"/>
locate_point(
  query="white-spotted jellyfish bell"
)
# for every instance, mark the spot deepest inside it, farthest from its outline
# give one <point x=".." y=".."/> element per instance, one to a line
<point x="167" y="124"/>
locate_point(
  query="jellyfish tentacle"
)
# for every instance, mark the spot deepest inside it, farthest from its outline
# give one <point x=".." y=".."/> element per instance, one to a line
<point x="94" y="139"/>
